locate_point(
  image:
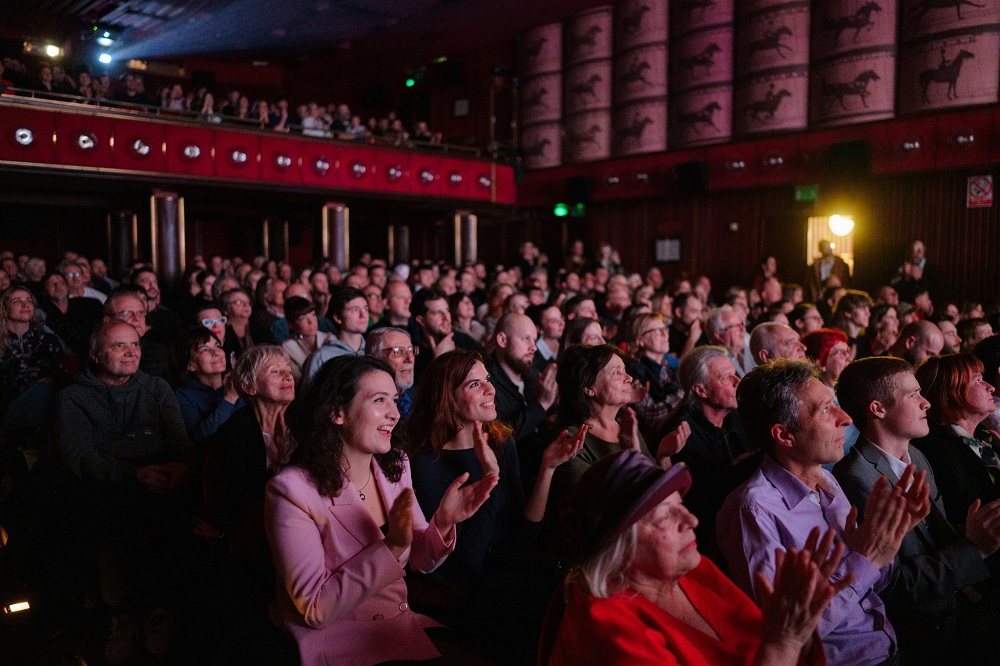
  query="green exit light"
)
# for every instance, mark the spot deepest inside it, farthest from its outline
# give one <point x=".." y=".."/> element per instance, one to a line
<point x="560" y="210"/>
<point x="806" y="193"/>
<point x="410" y="82"/>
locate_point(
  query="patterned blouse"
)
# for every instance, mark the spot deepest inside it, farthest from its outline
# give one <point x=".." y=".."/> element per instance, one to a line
<point x="33" y="356"/>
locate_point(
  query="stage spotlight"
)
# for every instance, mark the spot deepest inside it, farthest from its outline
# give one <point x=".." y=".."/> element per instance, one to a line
<point x="841" y="225"/>
<point x="104" y="59"/>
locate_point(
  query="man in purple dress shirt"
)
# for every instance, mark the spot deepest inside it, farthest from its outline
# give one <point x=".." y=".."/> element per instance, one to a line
<point x="792" y="415"/>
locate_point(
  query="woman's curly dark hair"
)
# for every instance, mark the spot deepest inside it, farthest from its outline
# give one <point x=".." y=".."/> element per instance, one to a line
<point x="319" y="447"/>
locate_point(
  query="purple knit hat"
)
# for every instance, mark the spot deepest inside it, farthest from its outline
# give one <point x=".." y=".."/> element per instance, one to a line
<point x="614" y="493"/>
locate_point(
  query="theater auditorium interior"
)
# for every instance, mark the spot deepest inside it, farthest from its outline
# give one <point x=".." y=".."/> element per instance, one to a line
<point x="226" y="224"/>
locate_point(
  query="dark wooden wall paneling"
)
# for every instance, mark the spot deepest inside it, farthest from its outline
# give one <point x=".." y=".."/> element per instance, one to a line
<point x="889" y="211"/>
<point x="962" y="243"/>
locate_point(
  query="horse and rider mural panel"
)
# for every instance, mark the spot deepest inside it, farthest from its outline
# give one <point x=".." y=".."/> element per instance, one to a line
<point x="701" y="73"/>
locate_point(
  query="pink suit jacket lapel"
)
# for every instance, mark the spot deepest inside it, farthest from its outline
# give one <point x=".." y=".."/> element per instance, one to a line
<point x="348" y="509"/>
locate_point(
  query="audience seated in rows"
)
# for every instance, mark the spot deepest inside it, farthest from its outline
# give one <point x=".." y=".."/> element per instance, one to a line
<point x="202" y="103"/>
<point x="212" y="501"/>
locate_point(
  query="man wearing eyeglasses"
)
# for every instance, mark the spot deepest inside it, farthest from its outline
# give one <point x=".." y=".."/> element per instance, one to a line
<point x="349" y="309"/>
<point x="393" y="345"/>
<point x="724" y="327"/>
<point x="128" y="305"/>
<point x="122" y="435"/>
<point x="76" y="279"/>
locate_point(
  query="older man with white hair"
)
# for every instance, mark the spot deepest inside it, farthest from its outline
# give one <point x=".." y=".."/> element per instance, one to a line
<point x="717" y="451"/>
<point x="724" y="327"/>
<point x="395" y="347"/>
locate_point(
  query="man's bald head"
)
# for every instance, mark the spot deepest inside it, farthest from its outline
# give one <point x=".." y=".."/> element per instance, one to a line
<point x="515" y="338"/>
<point x="918" y="341"/>
<point x="771" y="340"/>
<point x="297" y="289"/>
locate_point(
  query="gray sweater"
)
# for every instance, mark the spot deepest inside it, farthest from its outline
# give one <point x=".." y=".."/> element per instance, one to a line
<point x="106" y="433"/>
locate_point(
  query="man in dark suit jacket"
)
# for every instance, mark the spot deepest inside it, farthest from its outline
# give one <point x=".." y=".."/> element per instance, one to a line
<point x="826" y="266"/>
<point x="915" y="275"/>
<point x="936" y="612"/>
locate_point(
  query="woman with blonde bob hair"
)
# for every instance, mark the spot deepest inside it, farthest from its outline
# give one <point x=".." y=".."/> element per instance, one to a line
<point x="642" y="593"/>
<point x="252" y="445"/>
<point x="648" y="342"/>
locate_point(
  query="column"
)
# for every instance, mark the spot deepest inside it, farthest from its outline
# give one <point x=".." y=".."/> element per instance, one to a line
<point x="274" y="241"/>
<point x="123" y="241"/>
<point x="196" y="237"/>
<point x="466" y="237"/>
<point x="166" y="213"/>
<point x="401" y="236"/>
<point x="335" y="234"/>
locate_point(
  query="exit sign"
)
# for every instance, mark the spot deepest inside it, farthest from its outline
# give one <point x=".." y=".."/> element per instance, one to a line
<point x="806" y="193"/>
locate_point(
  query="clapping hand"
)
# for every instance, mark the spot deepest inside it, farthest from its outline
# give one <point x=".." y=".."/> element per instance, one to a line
<point x="481" y="444"/>
<point x="400" y="534"/>
<point x="674" y="441"/>
<point x="546" y="388"/>
<point x="628" y="426"/>
<point x="461" y="502"/>
<point x="889" y="514"/>
<point x="565" y="447"/>
<point x="917" y="497"/>
<point x="793" y="603"/>
<point x="982" y="527"/>
<point x="231" y="395"/>
<point x="639" y="391"/>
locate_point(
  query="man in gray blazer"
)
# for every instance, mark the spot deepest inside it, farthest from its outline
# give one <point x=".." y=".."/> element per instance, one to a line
<point x="932" y="601"/>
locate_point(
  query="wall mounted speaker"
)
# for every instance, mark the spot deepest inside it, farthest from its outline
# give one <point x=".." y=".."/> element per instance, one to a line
<point x="692" y="177"/>
<point x="580" y="189"/>
<point x="850" y="159"/>
<point x="204" y="79"/>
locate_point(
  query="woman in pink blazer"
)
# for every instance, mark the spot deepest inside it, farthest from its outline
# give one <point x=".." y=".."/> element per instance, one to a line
<point x="342" y="524"/>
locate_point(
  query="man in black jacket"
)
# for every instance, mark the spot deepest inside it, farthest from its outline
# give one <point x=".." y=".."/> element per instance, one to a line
<point x="122" y="437"/>
<point x="717" y="452"/>
<point x="523" y="395"/>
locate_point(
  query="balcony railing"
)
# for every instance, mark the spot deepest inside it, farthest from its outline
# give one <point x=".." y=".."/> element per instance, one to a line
<point x="69" y="133"/>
